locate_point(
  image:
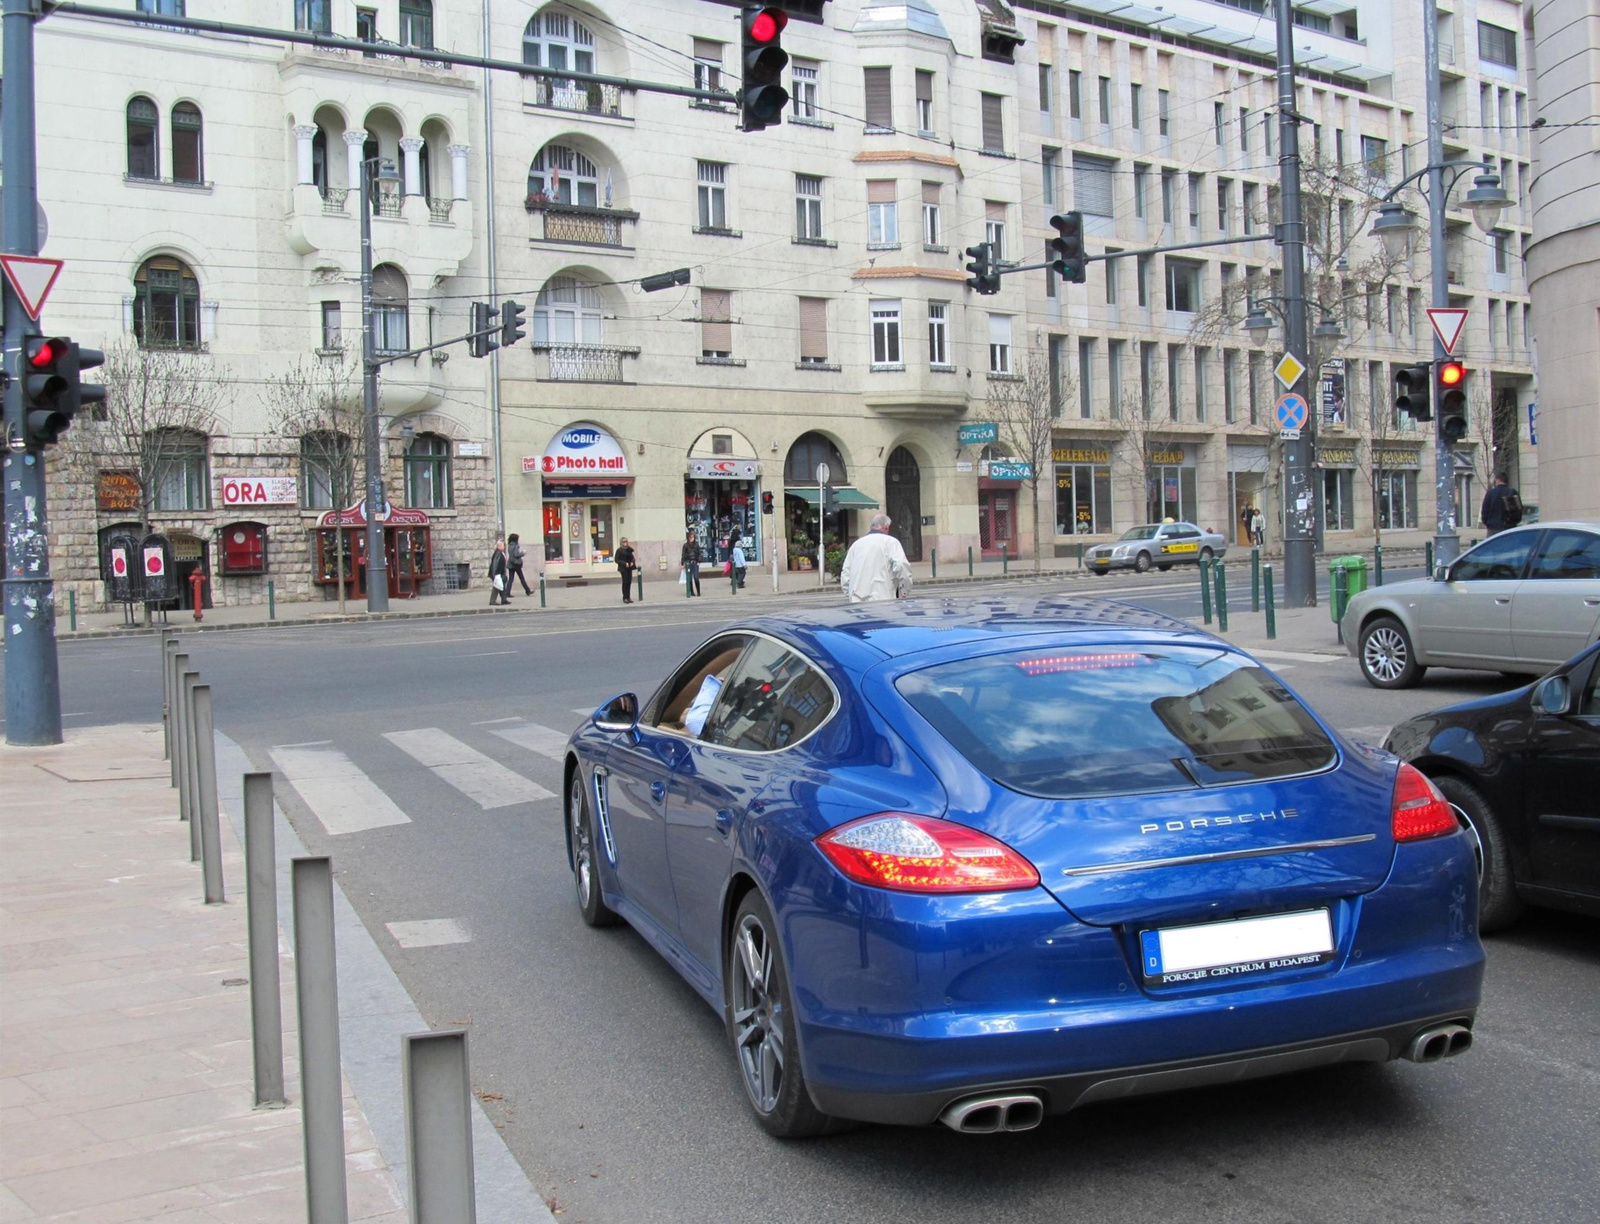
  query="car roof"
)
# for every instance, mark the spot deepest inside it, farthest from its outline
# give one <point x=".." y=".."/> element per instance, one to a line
<point x="908" y="626"/>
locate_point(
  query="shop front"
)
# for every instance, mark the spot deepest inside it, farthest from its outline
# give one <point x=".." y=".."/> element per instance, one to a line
<point x="1083" y="488"/>
<point x="806" y="520"/>
<point x="1337" y="471"/>
<point x="584" y="485"/>
<point x="1398" y="469"/>
<point x="722" y="497"/>
<point x="1170" y="491"/>
<point x="407" y="546"/>
<point x="1247" y="488"/>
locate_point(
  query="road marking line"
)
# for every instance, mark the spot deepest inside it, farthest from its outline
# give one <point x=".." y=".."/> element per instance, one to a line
<point x="586" y="712"/>
<point x="343" y="798"/>
<point x="489" y="722"/>
<point x="306" y="744"/>
<point x="480" y="778"/>
<point x="536" y="739"/>
<point x="429" y="932"/>
<point x="1299" y="656"/>
<point x="482" y="654"/>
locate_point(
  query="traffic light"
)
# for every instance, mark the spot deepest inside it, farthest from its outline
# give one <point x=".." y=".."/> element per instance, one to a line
<point x="1072" y="261"/>
<point x="481" y="340"/>
<point x="49" y="381"/>
<point x="761" y="97"/>
<point x="985" y="276"/>
<point x="511" y="317"/>
<point x="82" y="392"/>
<point x="766" y="503"/>
<point x="1412" y="394"/>
<point x="1452" y="377"/>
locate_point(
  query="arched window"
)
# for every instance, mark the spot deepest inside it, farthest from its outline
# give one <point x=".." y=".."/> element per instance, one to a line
<point x="143" y="158"/>
<point x="425" y="172"/>
<point x="553" y="39"/>
<point x="416" y="23"/>
<point x="567" y="312"/>
<point x="180" y="473"/>
<point x="319" y="161"/>
<point x="428" y="473"/>
<point x="391" y="328"/>
<point x="327" y="470"/>
<point x="800" y="467"/>
<point x="564" y="176"/>
<point x="166" y="304"/>
<point x="187" y="163"/>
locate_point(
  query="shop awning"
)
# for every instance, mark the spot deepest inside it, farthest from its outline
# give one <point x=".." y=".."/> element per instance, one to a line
<point x="844" y="497"/>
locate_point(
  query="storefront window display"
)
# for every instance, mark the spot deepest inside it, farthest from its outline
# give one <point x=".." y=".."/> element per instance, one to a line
<point x="1083" y="490"/>
<point x="1170" y="487"/>
<point x="722" y="506"/>
<point x="585" y="481"/>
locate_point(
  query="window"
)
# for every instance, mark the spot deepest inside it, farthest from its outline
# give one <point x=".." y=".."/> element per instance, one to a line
<point x="803" y="90"/>
<point x="391" y="328"/>
<point x="163" y="8"/>
<point x="567" y="312"/>
<point x="1374" y="156"/>
<point x="994" y="134"/>
<point x="771" y="700"/>
<point x="716" y="324"/>
<point x="1174" y="381"/>
<point x="1499" y="557"/>
<point x="924" y="101"/>
<point x="1397" y="501"/>
<point x="143" y="157"/>
<point x="187" y="166"/>
<point x="244" y="548"/>
<point x="1141" y="278"/>
<point x="1054" y="348"/>
<point x="1163" y="115"/>
<point x="166" y="304"/>
<point x="332" y="328"/>
<point x="416" y="23"/>
<point x="1230" y="390"/>
<point x="1500" y="242"/>
<point x="1113" y="274"/>
<point x="1218" y="110"/>
<point x="1338" y="500"/>
<point x="807" y="208"/>
<point x="327" y="470"/>
<point x="562" y="175"/>
<point x="1046" y="87"/>
<point x="1092" y="179"/>
<point x="1049" y="163"/>
<point x="994" y="227"/>
<point x="1497" y="45"/>
<point x="1338" y="148"/>
<point x="1114" y="351"/>
<point x="1258" y="382"/>
<point x="713" y="180"/>
<point x="428" y="473"/>
<point x="1105" y="101"/>
<point x="180" y="474"/>
<point x="314" y="16"/>
<point x="1224" y="203"/>
<point x="1169" y="195"/>
<point x="1135" y="110"/>
<point x="1141" y="180"/>
<point x="1183" y="285"/>
<point x="880" y="100"/>
<point x="552" y="39"/>
<point x="1568" y="554"/>
<point x="1075" y="94"/>
<point x="938" y="334"/>
<point x="1194" y="200"/>
<point x="1249" y="208"/>
<point x="813" y="331"/>
<point x="707" y="65"/>
<point x="1086" y="379"/>
<point x="1266" y="132"/>
<point x="1083" y="497"/>
<point x="1244" y="129"/>
<point x="1147" y="378"/>
<point x="999" y="344"/>
<point x="1170" y="494"/>
<point x="721" y="444"/>
<point x="932" y="230"/>
<point x="367" y="26"/>
<point x="883" y="220"/>
<point x="1200" y="373"/>
<point x="886" y="334"/>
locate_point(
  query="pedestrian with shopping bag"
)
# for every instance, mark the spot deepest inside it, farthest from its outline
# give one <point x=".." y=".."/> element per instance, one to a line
<point x="499" y="575"/>
<point x="876" y="568"/>
<point x="689" y="559"/>
<point x="626" y="564"/>
<point x="739" y="566"/>
<point x="514" y="559"/>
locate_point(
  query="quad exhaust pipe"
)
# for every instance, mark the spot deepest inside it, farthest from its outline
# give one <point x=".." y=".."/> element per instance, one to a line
<point x="1441" y="1041"/>
<point x="989" y="1115"/>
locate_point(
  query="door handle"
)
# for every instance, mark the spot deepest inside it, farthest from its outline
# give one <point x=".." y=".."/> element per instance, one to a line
<point x="1591" y="603"/>
<point x="724" y="821"/>
<point x="659" y="790"/>
<point x="1502" y="599"/>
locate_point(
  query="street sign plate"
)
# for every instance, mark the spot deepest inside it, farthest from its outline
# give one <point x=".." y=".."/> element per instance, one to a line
<point x="1448" y="324"/>
<point x="977" y="432"/>
<point x="1292" y="411"/>
<point x="1288" y="370"/>
<point x="1289" y="435"/>
<point x="31" y="278"/>
<point x="823" y="473"/>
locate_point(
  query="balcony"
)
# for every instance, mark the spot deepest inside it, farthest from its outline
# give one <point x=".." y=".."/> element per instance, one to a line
<point x="439" y="210"/>
<point x="580" y="223"/>
<point x="574" y="97"/>
<point x="596" y="363"/>
<point x="431" y="235"/>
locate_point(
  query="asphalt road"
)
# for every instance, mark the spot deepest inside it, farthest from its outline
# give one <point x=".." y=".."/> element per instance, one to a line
<point x="615" y="1087"/>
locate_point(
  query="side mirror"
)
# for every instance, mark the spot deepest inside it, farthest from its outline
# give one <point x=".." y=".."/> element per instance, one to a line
<point x="1552" y="695"/>
<point x="621" y="713"/>
<point x="1441" y="572"/>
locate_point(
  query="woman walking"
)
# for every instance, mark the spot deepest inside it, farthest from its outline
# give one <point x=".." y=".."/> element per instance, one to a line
<point x="626" y="564"/>
<point x="690" y="560"/>
<point x="514" y="558"/>
<point x="499" y="575"/>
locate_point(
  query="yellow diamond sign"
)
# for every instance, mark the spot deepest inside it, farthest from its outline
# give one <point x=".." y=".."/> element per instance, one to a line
<point x="1289" y="370"/>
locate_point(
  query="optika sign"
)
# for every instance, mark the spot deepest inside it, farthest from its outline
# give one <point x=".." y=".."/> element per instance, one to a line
<point x="580" y="451"/>
<point x="260" y="491"/>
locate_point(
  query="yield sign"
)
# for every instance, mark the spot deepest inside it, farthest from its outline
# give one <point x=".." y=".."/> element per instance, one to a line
<point x="32" y="278"/>
<point x="1447" y="324"/>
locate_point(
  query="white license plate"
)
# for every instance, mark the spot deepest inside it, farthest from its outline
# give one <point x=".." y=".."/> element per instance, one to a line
<point x="1239" y="947"/>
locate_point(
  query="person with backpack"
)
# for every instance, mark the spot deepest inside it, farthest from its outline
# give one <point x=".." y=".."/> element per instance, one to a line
<point x="1502" y="508"/>
<point x="514" y="561"/>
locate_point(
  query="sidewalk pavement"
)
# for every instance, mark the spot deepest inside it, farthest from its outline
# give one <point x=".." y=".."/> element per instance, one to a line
<point x="126" y="1089"/>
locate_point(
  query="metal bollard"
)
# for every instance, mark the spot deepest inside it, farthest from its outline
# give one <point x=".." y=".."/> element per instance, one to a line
<point x="733" y="581"/>
<point x="438" y="1109"/>
<point x="1377" y="565"/>
<point x="207" y="826"/>
<point x="272" y="601"/>
<point x="261" y="903"/>
<point x="1339" y="597"/>
<point x="169" y="643"/>
<point x="541" y="590"/>
<point x="1255" y="578"/>
<point x="638" y="584"/>
<point x="72" y="610"/>
<point x="1005" y="558"/>
<point x="688" y="583"/>
<point x="935" y="555"/>
<point x="1080" y="556"/>
<point x="969" y="560"/>
<point x="1272" y="616"/>
<point x="1427" y="558"/>
<point x="1205" y="590"/>
<point x="317" y="996"/>
<point x="180" y="775"/>
<point x="1222" y="596"/>
<point x="191" y="759"/>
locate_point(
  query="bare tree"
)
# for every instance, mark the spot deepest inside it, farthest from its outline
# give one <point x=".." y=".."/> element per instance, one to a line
<point x="316" y="406"/>
<point x="1143" y="433"/>
<point x="1026" y="409"/>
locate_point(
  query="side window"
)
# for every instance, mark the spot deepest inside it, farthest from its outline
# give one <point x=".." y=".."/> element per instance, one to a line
<point x="716" y="658"/>
<point x="1568" y="554"/>
<point x="1589" y="706"/>
<point x="774" y="698"/>
<point x="1503" y="556"/>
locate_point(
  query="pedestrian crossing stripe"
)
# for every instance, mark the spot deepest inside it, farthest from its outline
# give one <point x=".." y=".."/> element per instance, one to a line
<point x="336" y="790"/>
<point x="479" y="777"/>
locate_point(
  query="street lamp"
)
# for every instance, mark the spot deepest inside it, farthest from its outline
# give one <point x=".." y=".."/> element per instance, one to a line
<point x="1328" y="329"/>
<point x="388" y="181"/>
<point x="1394" y="226"/>
<point x="1258" y="323"/>
<point x="1486" y="199"/>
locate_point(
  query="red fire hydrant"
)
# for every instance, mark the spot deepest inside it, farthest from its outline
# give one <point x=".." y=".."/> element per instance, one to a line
<point x="197" y="582"/>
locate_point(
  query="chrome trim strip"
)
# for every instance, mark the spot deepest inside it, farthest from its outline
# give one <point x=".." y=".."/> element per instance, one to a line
<point x="1220" y="856"/>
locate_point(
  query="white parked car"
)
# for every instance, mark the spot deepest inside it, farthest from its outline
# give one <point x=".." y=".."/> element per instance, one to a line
<point x="1521" y="602"/>
<point x="1161" y="545"/>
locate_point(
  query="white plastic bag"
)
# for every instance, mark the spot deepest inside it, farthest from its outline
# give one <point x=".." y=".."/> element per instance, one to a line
<point x="499" y="582"/>
<point x="683" y="577"/>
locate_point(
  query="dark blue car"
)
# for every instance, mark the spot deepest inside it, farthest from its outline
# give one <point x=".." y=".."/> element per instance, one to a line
<point x="978" y="862"/>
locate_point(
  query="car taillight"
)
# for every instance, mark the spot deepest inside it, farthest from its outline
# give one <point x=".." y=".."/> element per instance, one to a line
<point x="1419" y="809"/>
<point x="925" y="855"/>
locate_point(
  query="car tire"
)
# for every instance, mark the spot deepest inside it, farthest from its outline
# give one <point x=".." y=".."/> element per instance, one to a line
<point x="1388" y="660"/>
<point x="585" y="856"/>
<point x="1164" y="568"/>
<point x="1206" y="554"/>
<point x="761" y="1028"/>
<point x="1141" y="563"/>
<point x="1498" y="903"/>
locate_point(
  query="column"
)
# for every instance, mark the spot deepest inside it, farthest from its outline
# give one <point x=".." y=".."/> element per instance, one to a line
<point x="354" y="140"/>
<point x="410" y="146"/>
<point x="304" y="133"/>
<point x="458" y="171"/>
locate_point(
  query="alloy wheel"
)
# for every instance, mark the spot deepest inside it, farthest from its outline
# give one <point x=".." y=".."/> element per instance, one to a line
<point x="1385" y="654"/>
<point x="582" y="847"/>
<point x="758" y="1014"/>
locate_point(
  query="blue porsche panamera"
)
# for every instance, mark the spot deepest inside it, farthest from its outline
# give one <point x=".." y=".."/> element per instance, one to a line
<point x="979" y="862"/>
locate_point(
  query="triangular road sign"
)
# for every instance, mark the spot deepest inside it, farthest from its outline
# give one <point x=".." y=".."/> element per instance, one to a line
<point x="1447" y="324"/>
<point x="32" y="278"/>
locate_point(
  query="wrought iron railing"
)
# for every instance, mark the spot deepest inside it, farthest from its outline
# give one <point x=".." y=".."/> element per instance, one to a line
<point x="386" y="204"/>
<point x="333" y="200"/>
<point x="439" y="210"/>
<point x="585" y="97"/>
<point x="580" y="223"/>
<point x="585" y="362"/>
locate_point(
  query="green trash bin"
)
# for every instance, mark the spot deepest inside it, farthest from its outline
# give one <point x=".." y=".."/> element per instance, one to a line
<point x="1355" y="581"/>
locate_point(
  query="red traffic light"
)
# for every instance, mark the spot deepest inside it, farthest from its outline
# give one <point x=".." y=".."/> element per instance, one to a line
<point x="768" y="24"/>
<point x="43" y="354"/>
<point x="1451" y="373"/>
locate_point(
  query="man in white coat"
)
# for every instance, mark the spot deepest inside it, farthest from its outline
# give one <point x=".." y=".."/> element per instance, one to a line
<point x="876" y="567"/>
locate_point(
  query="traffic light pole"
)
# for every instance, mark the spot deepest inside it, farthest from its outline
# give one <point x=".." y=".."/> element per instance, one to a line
<point x="377" y="561"/>
<point x="33" y="682"/>
<point x="1446" y="543"/>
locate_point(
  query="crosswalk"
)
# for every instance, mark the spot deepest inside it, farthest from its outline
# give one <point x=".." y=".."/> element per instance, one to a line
<point x="335" y="788"/>
<point x="479" y="777"/>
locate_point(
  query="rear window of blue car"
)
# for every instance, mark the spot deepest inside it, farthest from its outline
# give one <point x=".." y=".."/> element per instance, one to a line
<point x="1069" y="723"/>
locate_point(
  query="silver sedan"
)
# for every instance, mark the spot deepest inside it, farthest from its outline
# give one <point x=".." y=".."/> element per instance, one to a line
<point x="1521" y="602"/>
<point x="1161" y="545"/>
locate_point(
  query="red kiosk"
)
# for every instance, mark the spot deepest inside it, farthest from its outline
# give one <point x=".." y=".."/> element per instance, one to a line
<point x="407" y="547"/>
